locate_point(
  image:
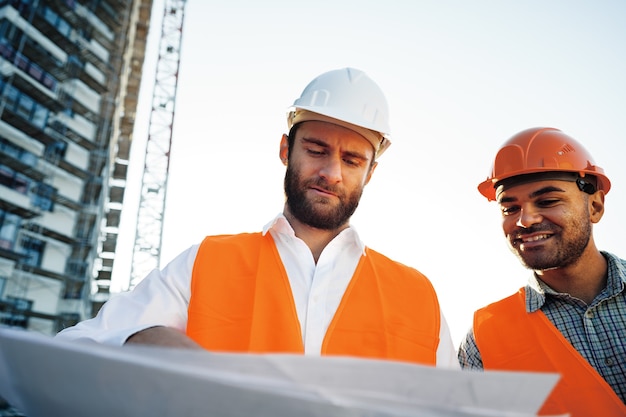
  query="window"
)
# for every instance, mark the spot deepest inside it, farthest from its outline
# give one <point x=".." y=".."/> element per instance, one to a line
<point x="72" y="292"/>
<point x="14" y="180"/>
<point x="66" y="319"/>
<point x="35" y="71"/>
<point x="9" y="225"/>
<point x="43" y="196"/>
<point x="18" y="153"/>
<point x="49" y="81"/>
<point x="11" y="95"/>
<point x="21" y="183"/>
<point x="10" y="149"/>
<point x="5" y="49"/>
<point x="56" y="151"/>
<point x="6" y="176"/>
<point x="75" y="61"/>
<point x="33" y="249"/>
<point x="21" y="62"/>
<point x="64" y="28"/>
<point x="17" y="312"/>
<point x="40" y="116"/>
<point x="28" y="158"/>
<point x="50" y="16"/>
<point x="58" y="22"/>
<point x="25" y="106"/>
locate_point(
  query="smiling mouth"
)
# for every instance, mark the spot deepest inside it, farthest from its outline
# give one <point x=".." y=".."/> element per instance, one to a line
<point x="529" y="242"/>
<point x="533" y="238"/>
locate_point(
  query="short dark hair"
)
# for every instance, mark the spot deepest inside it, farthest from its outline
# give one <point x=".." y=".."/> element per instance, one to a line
<point x="587" y="184"/>
<point x="291" y="137"/>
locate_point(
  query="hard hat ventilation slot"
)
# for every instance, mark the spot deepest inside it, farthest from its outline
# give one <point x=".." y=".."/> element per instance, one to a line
<point x="566" y="149"/>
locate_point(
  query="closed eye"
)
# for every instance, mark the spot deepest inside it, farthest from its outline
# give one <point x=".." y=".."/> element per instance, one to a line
<point x="352" y="161"/>
<point x="315" y="152"/>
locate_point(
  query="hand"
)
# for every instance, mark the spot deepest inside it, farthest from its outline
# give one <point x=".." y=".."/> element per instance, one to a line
<point x="163" y="336"/>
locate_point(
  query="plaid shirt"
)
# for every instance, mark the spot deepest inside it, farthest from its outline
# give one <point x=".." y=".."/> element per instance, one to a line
<point x="596" y="331"/>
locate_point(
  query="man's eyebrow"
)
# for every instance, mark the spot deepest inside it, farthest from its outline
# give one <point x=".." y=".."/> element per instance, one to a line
<point x="546" y="190"/>
<point x="315" y="141"/>
<point x="534" y="194"/>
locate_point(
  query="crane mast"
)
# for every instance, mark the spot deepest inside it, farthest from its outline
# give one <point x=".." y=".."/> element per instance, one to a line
<point x="150" y="214"/>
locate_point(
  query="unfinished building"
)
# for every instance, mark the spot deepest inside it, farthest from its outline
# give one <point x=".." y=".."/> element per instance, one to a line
<point x="70" y="73"/>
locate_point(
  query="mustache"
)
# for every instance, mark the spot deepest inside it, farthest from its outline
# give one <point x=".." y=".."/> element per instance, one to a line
<point x="535" y="228"/>
<point x="323" y="184"/>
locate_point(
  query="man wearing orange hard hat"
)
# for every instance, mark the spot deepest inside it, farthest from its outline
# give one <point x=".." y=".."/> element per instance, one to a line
<point x="571" y="316"/>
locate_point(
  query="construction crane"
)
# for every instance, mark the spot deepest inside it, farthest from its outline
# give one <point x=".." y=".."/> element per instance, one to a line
<point x="150" y="214"/>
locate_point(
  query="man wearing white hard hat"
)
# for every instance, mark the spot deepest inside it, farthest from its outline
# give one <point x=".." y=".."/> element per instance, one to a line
<point x="306" y="283"/>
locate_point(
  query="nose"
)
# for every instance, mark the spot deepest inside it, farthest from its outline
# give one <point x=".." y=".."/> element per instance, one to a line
<point x="331" y="170"/>
<point x="528" y="216"/>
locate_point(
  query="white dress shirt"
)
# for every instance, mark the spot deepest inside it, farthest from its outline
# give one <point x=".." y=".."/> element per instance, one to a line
<point x="162" y="298"/>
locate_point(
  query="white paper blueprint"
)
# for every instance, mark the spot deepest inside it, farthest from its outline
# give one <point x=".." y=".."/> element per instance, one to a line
<point x="44" y="377"/>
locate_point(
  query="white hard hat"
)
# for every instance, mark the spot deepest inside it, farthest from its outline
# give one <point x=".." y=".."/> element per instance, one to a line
<point x="347" y="97"/>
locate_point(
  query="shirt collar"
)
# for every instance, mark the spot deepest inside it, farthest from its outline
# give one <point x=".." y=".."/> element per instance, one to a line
<point x="536" y="289"/>
<point x="280" y="225"/>
<point x="536" y="294"/>
<point x="616" y="281"/>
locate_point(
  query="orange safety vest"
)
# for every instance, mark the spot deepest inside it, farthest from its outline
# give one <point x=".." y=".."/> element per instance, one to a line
<point x="511" y="339"/>
<point x="241" y="301"/>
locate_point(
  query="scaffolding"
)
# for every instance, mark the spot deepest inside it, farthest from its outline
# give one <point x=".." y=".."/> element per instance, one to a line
<point x="151" y="211"/>
<point x="120" y="153"/>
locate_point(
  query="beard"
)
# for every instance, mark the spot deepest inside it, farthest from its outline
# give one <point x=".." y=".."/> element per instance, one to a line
<point x="569" y="247"/>
<point x="318" y="212"/>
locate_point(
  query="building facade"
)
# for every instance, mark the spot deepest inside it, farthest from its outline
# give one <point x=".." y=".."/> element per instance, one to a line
<point x="70" y="72"/>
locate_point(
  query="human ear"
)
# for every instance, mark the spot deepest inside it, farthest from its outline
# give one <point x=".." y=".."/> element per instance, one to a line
<point x="284" y="149"/>
<point x="596" y="206"/>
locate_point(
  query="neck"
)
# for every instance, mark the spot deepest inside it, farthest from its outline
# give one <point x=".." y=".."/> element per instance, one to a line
<point x="316" y="239"/>
<point x="584" y="279"/>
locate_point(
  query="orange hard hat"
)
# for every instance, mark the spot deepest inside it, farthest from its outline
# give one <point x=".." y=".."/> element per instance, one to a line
<point x="537" y="150"/>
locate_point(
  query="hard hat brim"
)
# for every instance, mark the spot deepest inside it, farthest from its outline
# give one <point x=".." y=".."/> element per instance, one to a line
<point x="378" y="141"/>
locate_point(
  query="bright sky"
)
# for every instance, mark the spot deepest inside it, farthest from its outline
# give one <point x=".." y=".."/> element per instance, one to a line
<point x="460" y="78"/>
